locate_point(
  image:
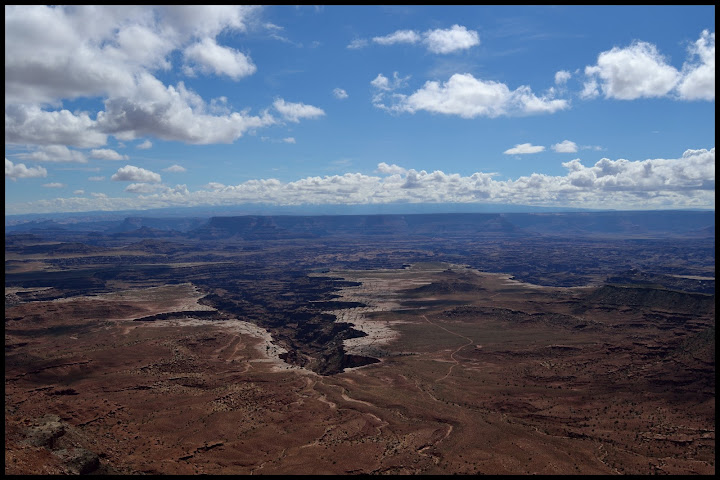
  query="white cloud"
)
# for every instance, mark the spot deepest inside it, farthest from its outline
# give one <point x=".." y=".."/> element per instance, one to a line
<point x="295" y="111"/>
<point x="357" y="44"/>
<point x="141" y="188"/>
<point x="384" y="84"/>
<point x="169" y="113"/>
<point x="400" y="36"/>
<point x="340" y="94"/>
<point x="640" y="71"/>
<point x="468" y="97"/>
<point x="525" y="102"/>
<point x="206" y="20"/>
<point x="289" y="140"/>
<point x="590" y="89"/>
<point x="381" y="82"/>
<point x="55" y="153"/>
<point x="390" y="169"/>
<point x="695" y="170"/>
<point x="144" y="145"/>
<point x="685" y="182"/>
<point x="213" y="58"/>
<point x="96" y="179"/>
<point x="51" y="53"/>
<point x="79" y="192"/>
<point x="439" y="40"/>
<point x="14" y="171"/>
<point x="450" y="40"/>
<point x="54" y="185"/>
<point x="29" y="125"/>
<point x="698" y="82"/>
<point x="111" y="52"/>
<point x="524" y="148"/>
<point x="566" y="146"/>
<point x="561" y="77"/>
<point x="107" y="154"/>
<point x="73" y="51"/>
<point x="173" y="113"/>
<point x="633" y="72"/>
<point x="175" y="169"/>
<point x="130" y="173"/>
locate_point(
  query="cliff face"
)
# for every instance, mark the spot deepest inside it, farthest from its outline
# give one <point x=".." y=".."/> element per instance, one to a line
<point x="652" y="298"/>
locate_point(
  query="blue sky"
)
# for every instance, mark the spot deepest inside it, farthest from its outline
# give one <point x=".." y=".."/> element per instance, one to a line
<point x="119" y="108"/>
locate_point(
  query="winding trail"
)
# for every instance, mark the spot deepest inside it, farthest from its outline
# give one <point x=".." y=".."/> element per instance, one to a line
<point x="452" y="355"/>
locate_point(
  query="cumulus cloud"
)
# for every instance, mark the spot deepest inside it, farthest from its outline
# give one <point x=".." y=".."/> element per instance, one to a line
<point x="390" y="169"/>
<point x="30" y="125"/>
<point x="684" y="182"/>
<point x="14" y="171"/>
<point x="211" y="58"/>
<point x="695" y="170"/>
<point x="175" y="169"/>
<point x="54" y="185"/>
<point x="340" y="94"/>
<point x="58" y="53"/>
<point x="55" y="153"/>
<point x="561" y="77"/>
<point x="107" y="154"/>
<point x="79" y="192"/>
<point x="48" y="58"/>
<point x="641" y="71"/>
<point x="144" y="145"/>
<point x="524" y="148"/>
<point x="566" y="146"/>
<point x="698" y="82"/>
<point x="633" y="72"/>
<point x="288" y="140"/>
<point x="468" y="97"/>
<point x="90" y="50"/>
<point x="441" y="41"/>
<point x="295" y="111"/>
<point x="173" y="113"/>
<point x="450" y="40"/>
<point x="130" y="173"/>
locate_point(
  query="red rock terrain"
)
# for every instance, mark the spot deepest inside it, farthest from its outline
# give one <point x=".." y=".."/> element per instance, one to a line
<point x="500" y="378"/>
<point x="362" y="344"/>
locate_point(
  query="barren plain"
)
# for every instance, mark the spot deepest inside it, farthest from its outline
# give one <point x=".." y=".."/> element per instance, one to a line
<point x="229" y="350"/>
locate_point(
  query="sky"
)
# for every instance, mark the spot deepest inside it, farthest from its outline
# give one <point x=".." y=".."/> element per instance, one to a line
<point x="139" y="107"/>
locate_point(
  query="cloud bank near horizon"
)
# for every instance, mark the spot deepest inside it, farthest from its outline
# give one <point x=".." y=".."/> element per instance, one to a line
<point x="684" y="182"/>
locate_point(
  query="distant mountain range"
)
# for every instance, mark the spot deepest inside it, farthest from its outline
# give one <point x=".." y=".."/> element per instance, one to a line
<point x="263" y="209"/>
<point x="569" y="224"/>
